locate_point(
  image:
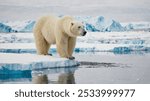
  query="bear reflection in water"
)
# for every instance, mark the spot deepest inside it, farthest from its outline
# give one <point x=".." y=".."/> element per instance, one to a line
<point x="63" y="78"/>
<point x="40" y="79"/>
<point x="66" y="75"/>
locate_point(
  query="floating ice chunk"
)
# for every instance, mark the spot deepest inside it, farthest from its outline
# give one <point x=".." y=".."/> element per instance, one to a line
<point x="31" y="61"/>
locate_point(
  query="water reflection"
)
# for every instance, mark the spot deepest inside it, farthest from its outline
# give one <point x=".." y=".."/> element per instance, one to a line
<point x="54" y="76"/>
<point x="66" y="75"/>
<point x="15" y="76"/>
<point x="66" y="78"/>
<point x="57" y="75"/>
<point x="40" y="79"/>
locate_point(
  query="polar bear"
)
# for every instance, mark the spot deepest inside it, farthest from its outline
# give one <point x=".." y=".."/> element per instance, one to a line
<point x="61" y="31"/>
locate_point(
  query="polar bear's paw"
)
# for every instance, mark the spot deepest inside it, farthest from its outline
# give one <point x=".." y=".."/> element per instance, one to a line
<point x="71" y="58"/>
<point x="50" y="54"/>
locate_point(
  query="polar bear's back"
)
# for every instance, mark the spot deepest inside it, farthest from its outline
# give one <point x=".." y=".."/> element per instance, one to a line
<point x="46" y="26"/>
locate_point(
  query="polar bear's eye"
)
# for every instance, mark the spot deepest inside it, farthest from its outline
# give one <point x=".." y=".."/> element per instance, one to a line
<point x="72" y="23"/>
<point x="79" y="27"/>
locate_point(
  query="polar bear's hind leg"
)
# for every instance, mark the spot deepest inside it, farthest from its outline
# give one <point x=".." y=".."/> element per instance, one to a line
<point x="41" y="45"/>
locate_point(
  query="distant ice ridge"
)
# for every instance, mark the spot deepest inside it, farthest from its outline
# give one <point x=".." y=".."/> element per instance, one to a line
<point x="137" y="26"/>
<point x="21" y="26"/>
<point x="6" y="29"/>
<point x="93" y="24"/>
<point x="28" y="27"/>
<point x="100" y="24"/>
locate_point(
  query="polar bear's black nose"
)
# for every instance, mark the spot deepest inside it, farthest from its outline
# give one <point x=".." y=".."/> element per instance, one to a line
<point x="84" y="33"/>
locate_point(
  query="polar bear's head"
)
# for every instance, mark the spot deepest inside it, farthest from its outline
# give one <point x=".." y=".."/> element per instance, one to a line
<point x="77" y="28"/>
<point x="72" y="27"/>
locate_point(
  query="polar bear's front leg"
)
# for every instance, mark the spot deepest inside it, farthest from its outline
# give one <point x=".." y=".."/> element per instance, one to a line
<point x="62" y="46"/>
<point x="71" y="46"/>
<point x="62" y="50"/>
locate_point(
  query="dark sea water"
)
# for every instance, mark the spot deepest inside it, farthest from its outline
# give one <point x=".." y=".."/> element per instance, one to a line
<point x="94" y="68"/>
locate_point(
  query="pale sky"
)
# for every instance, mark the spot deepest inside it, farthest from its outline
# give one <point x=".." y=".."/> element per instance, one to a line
<point x="121" y="10"/>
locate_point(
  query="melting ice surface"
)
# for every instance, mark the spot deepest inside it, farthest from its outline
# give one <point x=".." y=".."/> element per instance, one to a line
<point x="117" y="42"/>
<point x="95" y="68"/>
